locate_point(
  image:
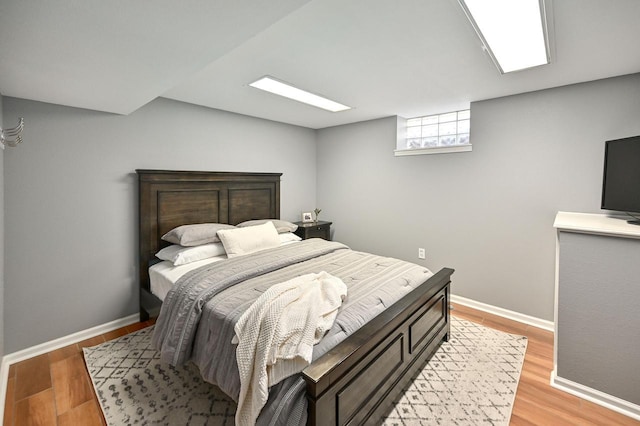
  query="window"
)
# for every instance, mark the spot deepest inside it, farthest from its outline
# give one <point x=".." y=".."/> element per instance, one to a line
<point x="434" y="134"/>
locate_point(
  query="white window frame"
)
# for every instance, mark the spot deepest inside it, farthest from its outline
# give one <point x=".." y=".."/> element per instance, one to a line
<point x="436" y="134"/>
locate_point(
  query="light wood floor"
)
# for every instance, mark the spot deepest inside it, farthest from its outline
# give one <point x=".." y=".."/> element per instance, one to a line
<point x="55" y="389"/>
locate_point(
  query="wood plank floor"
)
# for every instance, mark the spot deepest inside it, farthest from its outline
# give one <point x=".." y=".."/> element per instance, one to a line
<point x="55" y="389"/>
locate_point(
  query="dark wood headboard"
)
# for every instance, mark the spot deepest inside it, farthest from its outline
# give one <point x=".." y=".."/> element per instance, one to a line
<point x="172" y="198"/>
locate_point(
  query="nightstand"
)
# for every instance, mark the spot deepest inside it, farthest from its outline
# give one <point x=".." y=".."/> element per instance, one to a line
<point x="319" y="229"/>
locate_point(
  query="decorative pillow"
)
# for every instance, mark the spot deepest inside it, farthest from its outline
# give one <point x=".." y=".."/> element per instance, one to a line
<point x="195" y="235"/>
<point x="282" y="226"/>
<point x="180" y="255"/>
<point x="241" y="241"/>
<point x="288" y="237"/>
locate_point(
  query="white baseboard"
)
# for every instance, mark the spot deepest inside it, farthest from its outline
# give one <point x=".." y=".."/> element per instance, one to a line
<point x="505" y="313"/>
<point x="52" y="345"/>
<point x="597" y="397"/>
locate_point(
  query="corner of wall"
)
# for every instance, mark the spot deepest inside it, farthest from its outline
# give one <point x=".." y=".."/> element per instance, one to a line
<point x="401" y="136"/>
<point x="1" y="241"/>
<point x="2" y="366"/>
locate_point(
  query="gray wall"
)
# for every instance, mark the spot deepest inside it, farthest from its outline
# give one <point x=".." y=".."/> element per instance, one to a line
<point x="71" y="200"/>
<point x="1" y="238"/>
<point x="70" y="194"/>
<point x="487" y="213"/>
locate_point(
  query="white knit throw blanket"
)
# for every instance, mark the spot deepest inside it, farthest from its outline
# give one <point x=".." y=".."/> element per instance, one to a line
<point x="276" y="335"/>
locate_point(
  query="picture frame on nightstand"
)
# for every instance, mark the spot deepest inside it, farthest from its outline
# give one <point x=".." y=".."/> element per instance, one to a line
<point x="307" y="217"/>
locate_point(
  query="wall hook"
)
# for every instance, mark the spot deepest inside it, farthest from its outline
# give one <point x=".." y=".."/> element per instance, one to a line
<point x="12" y="136"/>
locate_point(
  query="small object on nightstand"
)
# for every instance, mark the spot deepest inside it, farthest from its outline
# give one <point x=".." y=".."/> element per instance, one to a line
<point x="319" y="229"/>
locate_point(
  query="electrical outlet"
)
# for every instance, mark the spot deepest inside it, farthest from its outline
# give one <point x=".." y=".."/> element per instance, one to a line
<point x="421" y="253"/>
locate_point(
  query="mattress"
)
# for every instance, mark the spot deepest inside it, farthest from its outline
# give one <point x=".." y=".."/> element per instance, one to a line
<point x="164" y="275"/>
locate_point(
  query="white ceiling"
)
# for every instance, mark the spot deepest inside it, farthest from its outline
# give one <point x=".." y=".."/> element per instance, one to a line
<point x="381" y="57"/>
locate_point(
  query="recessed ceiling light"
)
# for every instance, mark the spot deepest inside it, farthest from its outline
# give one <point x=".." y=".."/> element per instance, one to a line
<point x="513" y="32"/>
<point x="272" y="85"/>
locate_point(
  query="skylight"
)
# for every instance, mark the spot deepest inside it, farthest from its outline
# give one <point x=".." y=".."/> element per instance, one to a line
<point x="272" y="85"/>
<point x="513" y="32"/>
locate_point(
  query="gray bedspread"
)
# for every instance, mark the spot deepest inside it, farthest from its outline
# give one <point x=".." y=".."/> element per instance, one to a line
<point x="198" y="315"/>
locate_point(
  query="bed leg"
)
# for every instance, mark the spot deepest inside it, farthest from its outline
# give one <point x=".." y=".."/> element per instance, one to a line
<point x="149" y="305"/>
<point x="144" y="315"/>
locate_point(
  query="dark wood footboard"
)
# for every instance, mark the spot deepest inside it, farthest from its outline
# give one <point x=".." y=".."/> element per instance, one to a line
<point x="358" y="380"/>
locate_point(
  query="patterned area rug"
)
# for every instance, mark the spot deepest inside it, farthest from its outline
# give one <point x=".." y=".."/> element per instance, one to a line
<point x="472" y="379"/>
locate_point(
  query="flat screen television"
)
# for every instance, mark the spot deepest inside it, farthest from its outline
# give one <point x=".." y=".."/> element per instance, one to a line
<point x="621" y="180"/>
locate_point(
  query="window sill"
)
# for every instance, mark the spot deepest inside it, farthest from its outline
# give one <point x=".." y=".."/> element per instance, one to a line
<point x="428" y="151"/>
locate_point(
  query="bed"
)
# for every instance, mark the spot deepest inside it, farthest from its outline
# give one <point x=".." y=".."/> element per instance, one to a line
<point x="356" y="381"/>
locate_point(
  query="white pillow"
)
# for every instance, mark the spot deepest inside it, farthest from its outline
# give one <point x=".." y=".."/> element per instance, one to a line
<point x="179" y="255"/>
<point x="288" y="237"/>
<point x="241" y="241"/>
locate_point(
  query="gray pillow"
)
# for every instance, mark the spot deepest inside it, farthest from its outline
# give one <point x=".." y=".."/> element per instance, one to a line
<point x="282" y="226"/>
<point x="195" y="235"/>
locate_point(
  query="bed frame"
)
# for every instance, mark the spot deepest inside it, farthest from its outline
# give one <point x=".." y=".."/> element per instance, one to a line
<point x="357" y="381"/>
